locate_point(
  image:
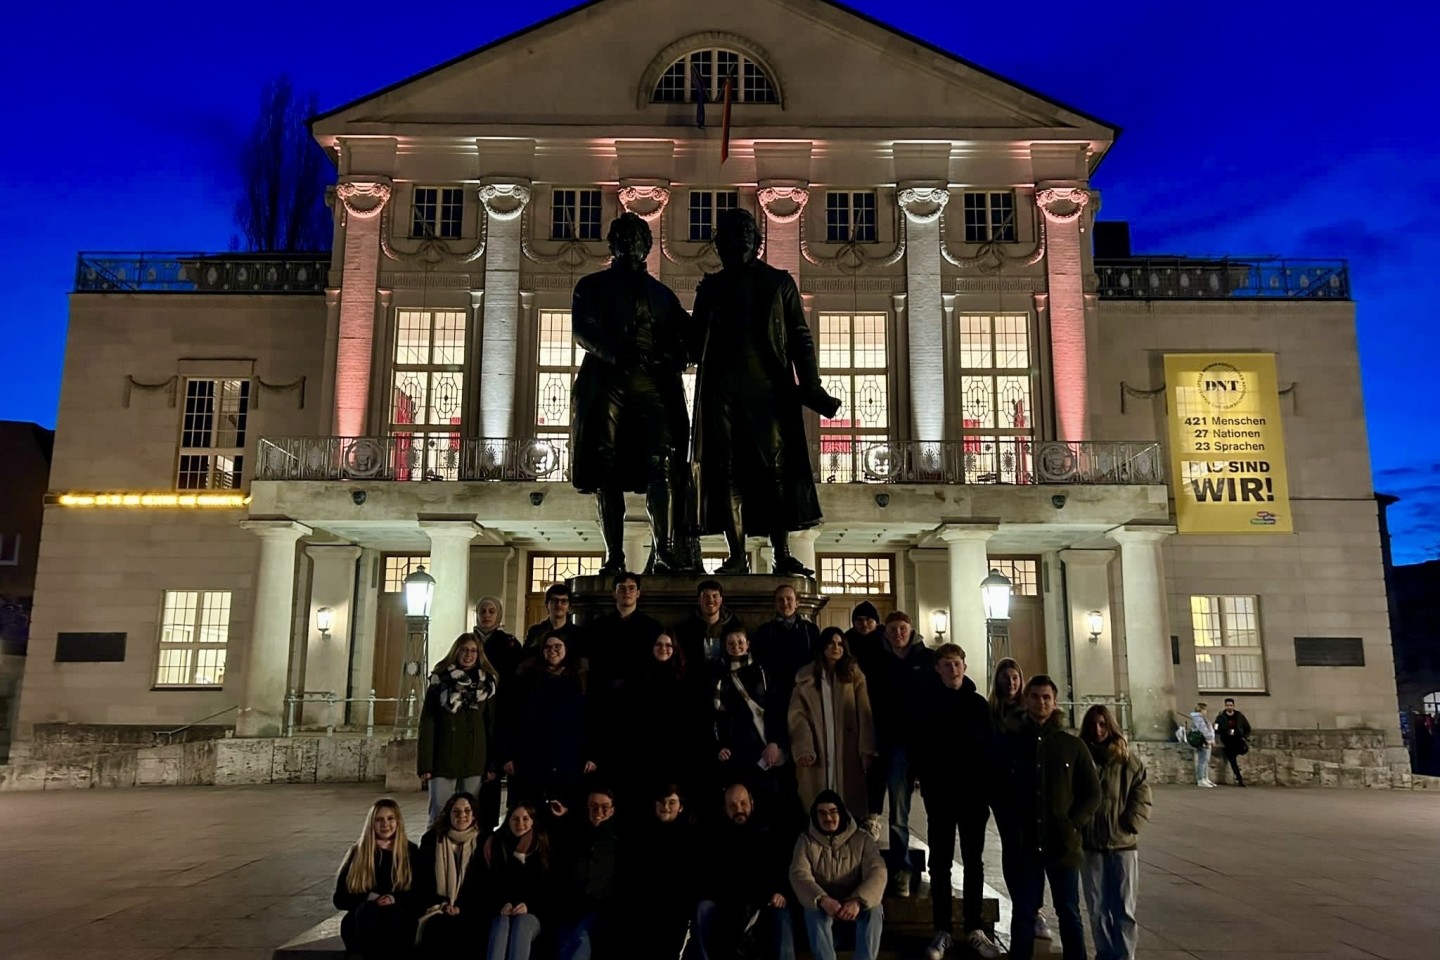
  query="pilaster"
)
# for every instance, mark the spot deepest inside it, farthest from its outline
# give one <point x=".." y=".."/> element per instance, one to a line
<point x="504" y="202"/>
<point x="1147" y="630"/>
<point x="648" y="201"/>
<point x="363" y="199"/>
<point x="1063" y="206"/>
<point x="923" y="206"/>
<point x="1087" y="586"/>
<point x="783" y="203"/>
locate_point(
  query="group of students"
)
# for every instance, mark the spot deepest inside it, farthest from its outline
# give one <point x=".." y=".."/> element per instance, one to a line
<point x="706" y="783"/>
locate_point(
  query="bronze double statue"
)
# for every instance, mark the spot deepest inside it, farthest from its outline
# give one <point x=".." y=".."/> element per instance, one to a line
<point x="743" y="467"/>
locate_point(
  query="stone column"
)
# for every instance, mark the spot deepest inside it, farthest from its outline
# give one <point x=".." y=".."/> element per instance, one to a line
<point x="1062" y="207"/>
<point x="782" y="204"/>
<point x="648" y="201"/>
<point x="327" y="657"/>
<point x="365" y="618"/>
<point x="364" y="199"/>
<point x="969" y="564"/>
<point x="267" y="660"/>
<point x="1147" y="630"/>
<point x="1087" y="584"/>
<point x="802" y="547"/>
<point x="504" y="203"/>
<point x="450" y="566"/>
<point x="637" y="540"/>
<point x="923" y="206"/>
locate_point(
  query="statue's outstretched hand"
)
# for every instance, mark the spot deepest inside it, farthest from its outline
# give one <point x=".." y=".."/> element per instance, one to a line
<point x="818" y="400"/>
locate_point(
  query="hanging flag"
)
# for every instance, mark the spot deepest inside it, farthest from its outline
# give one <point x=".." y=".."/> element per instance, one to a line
<point x="725" y="119"/>
<point x="698" y="92"/>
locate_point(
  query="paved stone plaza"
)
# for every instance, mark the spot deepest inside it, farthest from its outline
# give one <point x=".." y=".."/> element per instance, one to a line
<point x="222" y="873"/>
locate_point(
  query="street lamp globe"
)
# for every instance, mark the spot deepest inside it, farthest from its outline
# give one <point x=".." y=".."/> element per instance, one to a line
<point x="419" y="591"/>
<point x="995" y="591"/>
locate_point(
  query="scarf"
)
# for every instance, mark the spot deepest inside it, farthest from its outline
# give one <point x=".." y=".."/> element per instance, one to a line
<point x="463" y="689"/>
<point x="453" y="850"/>
<point x="757" y="712"/>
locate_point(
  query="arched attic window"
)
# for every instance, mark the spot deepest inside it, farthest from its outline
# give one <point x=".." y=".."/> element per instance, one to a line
<point x="709" y="67"/>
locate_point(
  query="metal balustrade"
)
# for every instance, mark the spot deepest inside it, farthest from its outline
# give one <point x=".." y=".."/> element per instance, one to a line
<point x="446" y="457"/>
<point x="165" y="272"/>
<point x="1221" y="278"/>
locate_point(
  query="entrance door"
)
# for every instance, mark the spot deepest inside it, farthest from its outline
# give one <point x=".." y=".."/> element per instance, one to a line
<point x="850" y="580"/>
<point x="391" y="636"/>
<point x="1027" y="614"/>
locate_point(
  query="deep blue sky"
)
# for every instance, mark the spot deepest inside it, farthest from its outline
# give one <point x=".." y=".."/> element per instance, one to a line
<point x="1301" y="128"/>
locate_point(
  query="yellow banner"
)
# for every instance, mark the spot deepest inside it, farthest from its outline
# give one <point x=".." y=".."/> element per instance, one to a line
<point x="1227" y="449"/>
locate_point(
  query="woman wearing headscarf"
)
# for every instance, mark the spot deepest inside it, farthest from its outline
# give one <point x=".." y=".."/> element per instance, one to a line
<point x="507" y="653"/>
<point x="375" y="886"/>
<point x="455" y="752"/>
<point x="837" y="874"/>
<point x="1111" y="868"/>
<point x="446" y="874"/>
<point x="832" y="731"/>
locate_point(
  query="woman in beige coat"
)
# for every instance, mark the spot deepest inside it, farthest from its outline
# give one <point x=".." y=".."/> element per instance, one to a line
<point x="832" y="732"/>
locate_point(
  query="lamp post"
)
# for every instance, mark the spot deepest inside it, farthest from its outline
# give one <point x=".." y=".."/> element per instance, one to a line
<point x="995" y="593"/>
<point x="419" y="591"/>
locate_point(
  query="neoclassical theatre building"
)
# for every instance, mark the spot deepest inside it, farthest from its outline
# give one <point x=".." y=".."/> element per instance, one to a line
<point x="1166" y="456"/>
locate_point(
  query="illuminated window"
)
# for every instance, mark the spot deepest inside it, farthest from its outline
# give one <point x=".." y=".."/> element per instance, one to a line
<point x="558" y="361"/>
<point x="437" y="212"/>
<point x="1229" y="655"/>
<point x="856" y="575"/>
<point x="194" y="631"/>
<point x="1431" y="704"/>
<point x="850" y="216"/>
<point x="575" y="215"/>
<point x="397" y="569"/>
<point x="706" y="207"/>
<point x="996" y="390"/>
<point x="549" y="570"/>
<point x="853" y="357"/>
<point x="1023" y="574"/>
<point x="707" y="71"/>
<point x="426" y="403"/>
<point x="990" y="215"/>
<point x="212" y="435"/>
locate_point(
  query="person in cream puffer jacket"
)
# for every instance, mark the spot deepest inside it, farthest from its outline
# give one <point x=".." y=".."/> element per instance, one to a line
<point x="838" y="874"/>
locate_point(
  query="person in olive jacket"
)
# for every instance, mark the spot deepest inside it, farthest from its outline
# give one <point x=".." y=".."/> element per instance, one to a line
<point x="1052" y="791"/>
<point x="457" y="725"/>
<point x="1112" y="861"/>
<point x="375" y="886"/>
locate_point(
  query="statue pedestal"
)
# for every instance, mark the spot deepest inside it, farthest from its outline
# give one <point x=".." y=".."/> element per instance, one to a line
<point x="670" y="598"/>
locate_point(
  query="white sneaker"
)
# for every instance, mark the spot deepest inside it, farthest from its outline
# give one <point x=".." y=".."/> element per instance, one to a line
<point x="1042" y="929"/>
<point x="1204" y="783"/>
<point x="981" y="944"/>
<point x="939" y="943"/>
<point x="875" y="826"/>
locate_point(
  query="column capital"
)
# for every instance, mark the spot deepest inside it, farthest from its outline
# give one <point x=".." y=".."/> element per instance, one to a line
<point x="963" y="532"/>
<point x="332" y="551"/>
<point x="1141" y="534"/>
<point x="276" y="529"/>
<point x="505" y="199"/>
<point x="646" y="200"/>
<point x="1089" y="558"/>
<point x="454" y="528"/>
<point x="1062" y="203"/>
<point x="807" y="536"/>
<point x="783" y="202"/>
<point x="923" y="204"/>
<point x="363" y="197"/>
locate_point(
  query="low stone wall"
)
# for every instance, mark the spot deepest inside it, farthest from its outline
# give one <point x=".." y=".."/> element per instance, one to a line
<point x="71" y="742"/>
<point x="1296" y="758"/>
<point x="224" y="762"/>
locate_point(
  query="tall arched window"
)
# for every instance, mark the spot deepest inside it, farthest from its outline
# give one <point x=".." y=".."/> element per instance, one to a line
<point x="708" y="69"/>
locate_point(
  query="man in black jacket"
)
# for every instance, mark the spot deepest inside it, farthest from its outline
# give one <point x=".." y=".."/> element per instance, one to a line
<point x="952" y="762"/>
<point x="557" y="620"/>
<point x="1051" y="793"/>
<point x="618" y="647"/>
<point x="1234" y="731"/>
<point x="701" y="635"/>
<point x="586" y="855"/>
<point x="901" y="673"/>
<point x="867" y="642"/>
<point x="744" y="884"/>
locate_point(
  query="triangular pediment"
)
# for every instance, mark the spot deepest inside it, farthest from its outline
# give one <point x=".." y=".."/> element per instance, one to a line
<point x="589" y="68"/>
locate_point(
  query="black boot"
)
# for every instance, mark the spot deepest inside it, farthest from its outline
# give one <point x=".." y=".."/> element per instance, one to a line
<point x="660" y="504"/>
<point x="738" y="561"/>
<point x="785" y="564"/>
<point x="610" y="503"/>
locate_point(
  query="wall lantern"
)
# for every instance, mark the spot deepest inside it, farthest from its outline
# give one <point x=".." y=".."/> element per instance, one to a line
<point x="324" y="620"/>
<point x="1096" y="622"/>
<point x="940" y="622"/>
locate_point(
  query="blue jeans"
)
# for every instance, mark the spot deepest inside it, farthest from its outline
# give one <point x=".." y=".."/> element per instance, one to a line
<point x="719" y="926"/>
<point x="572" y="940"/>
<point x="1202" y="763"/>
<point x="443" y="788"/>
<point x="511" y="937"/>
<point x="820" y="928"/>
<point x="899" y="787"/>
<point x="1110" y="881"/>
<point x="1028" y="889"/>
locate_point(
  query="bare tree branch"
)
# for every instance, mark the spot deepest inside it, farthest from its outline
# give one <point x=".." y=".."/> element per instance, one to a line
<point x="283" y="175"/>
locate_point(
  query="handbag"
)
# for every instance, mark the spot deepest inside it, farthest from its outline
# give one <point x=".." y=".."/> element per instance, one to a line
<point x="1196" y="739"/>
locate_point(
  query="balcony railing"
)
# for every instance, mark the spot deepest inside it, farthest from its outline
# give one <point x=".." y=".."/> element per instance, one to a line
<point x="440" y="457"/>
<point x="1185" y="278"/>
<point x="201" y="273"/>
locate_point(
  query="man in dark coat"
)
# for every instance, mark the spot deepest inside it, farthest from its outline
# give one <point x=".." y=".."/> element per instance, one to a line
<point x="757" y="370"/>
<point x="701" y="635"/>
<point x="1050" y="792"/>
<point x="744" y="874"/>
<point x="631" y="430"/>
<point x="867" y="642"/>
<point x="1234" y="732"/>
<point x="585" y="852"/>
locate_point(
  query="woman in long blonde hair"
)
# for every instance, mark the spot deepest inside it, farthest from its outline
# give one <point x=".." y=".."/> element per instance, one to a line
<point x="1112" y="862"/>
<point x="375" y="886"/>
<point x="1005" y="690"/>
<point x="456" y="750"/>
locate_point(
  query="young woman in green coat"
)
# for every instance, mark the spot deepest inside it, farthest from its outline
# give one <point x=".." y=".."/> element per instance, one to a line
<point x="457" y="724"/>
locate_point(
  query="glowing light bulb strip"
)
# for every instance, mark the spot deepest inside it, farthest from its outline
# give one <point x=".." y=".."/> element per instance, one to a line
<point x="155" y="501"/>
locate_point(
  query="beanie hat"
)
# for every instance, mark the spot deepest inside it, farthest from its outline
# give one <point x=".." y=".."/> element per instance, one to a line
<point x="865" y="609"/>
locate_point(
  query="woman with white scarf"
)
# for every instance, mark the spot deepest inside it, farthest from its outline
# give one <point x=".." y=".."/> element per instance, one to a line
<point x="456" y="753"/>
<point x="447" y="872"/>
